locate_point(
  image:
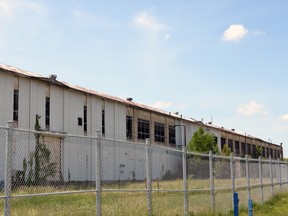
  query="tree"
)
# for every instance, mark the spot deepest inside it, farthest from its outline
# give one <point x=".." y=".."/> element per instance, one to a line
<point x="226" y="151"/>
<point x="258" y="152"/>
<point x="39" y="159"/>
<point x="203" y="142"/>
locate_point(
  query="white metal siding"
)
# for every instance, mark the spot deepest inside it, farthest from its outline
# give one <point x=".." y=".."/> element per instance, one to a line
<point x="56" y="109"/>
<point x="96" y="112"/>
<point x="73" y="109"/>
<point x="109" y="120"/>
<point x="6" y="98"/>
<point x="37" y="103"/>
<point x="120" y="122"/>
<point x="24" y="103"/>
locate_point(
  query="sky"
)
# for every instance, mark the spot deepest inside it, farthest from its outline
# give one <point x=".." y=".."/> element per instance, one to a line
<point x="213" y="60"/>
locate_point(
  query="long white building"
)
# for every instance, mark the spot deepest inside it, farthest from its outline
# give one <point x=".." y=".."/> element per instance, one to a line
<point x="66" y="108"/>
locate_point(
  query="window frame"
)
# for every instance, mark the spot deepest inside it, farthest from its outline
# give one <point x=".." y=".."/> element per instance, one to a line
<point x="143" y="129"/>
<point x="159" y="132"/>
<point x="172" y="135"/>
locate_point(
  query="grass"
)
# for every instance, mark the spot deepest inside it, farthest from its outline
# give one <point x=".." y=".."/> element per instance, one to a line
<point x="277" y="205"/>
<point x="135" y="203"/>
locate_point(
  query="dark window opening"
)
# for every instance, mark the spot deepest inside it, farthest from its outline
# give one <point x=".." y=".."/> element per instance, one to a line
<point x="230" y="145"/>
<point x="85" y="118"/>
<point x="254" y="151"/>
<point x="103" y="122"/>
<point x="128" y="126"/>
<point x="159" y="132"/>
<point x="47" y="112"/>
<point x="263" y="152"/>
<point x="249" y="149"/>
<point x="243" y="148"/>
<point x="223" y="142"/>
<point x="172" y="135"/>
<point x="15" y="105"/>
<point x="143" y="129"/>
<point x="80" y="121"/>
<point x="237" y="149"/>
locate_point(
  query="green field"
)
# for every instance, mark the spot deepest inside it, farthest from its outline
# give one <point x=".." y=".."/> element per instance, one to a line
<point x="135" y="203"/>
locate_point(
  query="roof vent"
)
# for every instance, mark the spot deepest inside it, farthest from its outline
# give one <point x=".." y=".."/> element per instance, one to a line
<point x="129" y="99"/>
<point x="53" y="76"/>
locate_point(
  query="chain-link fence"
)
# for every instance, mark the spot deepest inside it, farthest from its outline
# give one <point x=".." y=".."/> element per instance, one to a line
<point x="60" y="174"/>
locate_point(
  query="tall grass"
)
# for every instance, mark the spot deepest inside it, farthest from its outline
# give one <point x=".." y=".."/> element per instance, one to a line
<point x="129" y="202"/>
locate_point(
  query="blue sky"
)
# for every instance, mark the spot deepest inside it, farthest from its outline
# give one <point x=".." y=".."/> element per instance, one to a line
<point x="223" y="60"/>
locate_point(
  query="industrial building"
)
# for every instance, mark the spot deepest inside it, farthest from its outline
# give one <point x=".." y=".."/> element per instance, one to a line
<point x="67" y="108"/>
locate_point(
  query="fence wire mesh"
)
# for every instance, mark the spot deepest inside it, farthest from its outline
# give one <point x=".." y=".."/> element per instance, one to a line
<point x="84" y="175"/>
<point x="3" y="136"/>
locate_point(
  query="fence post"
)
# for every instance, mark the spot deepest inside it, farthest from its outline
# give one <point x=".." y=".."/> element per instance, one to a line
<point x="236" y="204"/>
<point x="184" y="160"/>
<point x="8" y="170"/>
<point x="280" y="174"/>
<point x="212" y="189"/>
<point x="98" y="172"/>
<point x="148" y="176"/>
<point x="232" y="178"/>
<point x="286" y="163"/>
<point x="248" y="179"/>
<point x="261" y="179"/>
<point x="271" y="175"/>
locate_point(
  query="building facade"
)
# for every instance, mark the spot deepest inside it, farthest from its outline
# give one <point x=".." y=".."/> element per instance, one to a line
<point x="66" y="108"/>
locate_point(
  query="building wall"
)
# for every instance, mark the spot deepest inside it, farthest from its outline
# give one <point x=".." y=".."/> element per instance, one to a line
<point x="6" y="98"/>
<point x="67" y="105"/>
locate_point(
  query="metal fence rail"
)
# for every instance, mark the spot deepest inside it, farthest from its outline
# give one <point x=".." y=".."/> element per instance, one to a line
<point x="152" y="180"/>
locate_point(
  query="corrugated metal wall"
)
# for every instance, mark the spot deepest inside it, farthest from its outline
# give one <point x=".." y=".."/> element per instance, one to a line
<point x="6" y="95"/>
<point x="37" y="103"/>
<point x="73" y="109"/>
<point x="24" y="104"/>
<point x="56" y="108"/>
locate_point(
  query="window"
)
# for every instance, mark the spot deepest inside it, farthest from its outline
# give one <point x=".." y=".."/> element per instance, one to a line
<point x="230" y="145"/>
<point x="85" y="118"/>
<point x="15" y="104"/>
<point x="253" y="151"/>
<point x="248" y="149"/>
<point x="223" y="142"/>
<point x="143" y="129"/>
<point x="47" y="108"/>
<point x="237" y="149"/>
<point x="47" y="112"/>
<point x="243" y="148"/>
<point x="16" y="99"/>
<point x="172" y="135"/>
<point x="103" y="122"/>
<point x="128" y="126"/>
<point x="80" y="121"/>
<point x="263" y="152"/>
<point x="159" y="132"/>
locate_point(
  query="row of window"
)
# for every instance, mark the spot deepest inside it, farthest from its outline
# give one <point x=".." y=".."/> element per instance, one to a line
<point x="143" y="125"/>
<point x="249" y="149"/>
<point x="143" y="130"/>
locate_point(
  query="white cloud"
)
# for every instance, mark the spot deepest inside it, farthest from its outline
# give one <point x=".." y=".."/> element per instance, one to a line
<point x="167" y="36"/>
<point x="145" y="20"/>
<point x="235" y="33"/>
<point x="251" y="109"/>
<point x="80" y="15"/>
<point x="284" y="117"/>
<point x="9" y="7"/>
<point x="257" y="33"/>
<point x="161" y="104"/>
